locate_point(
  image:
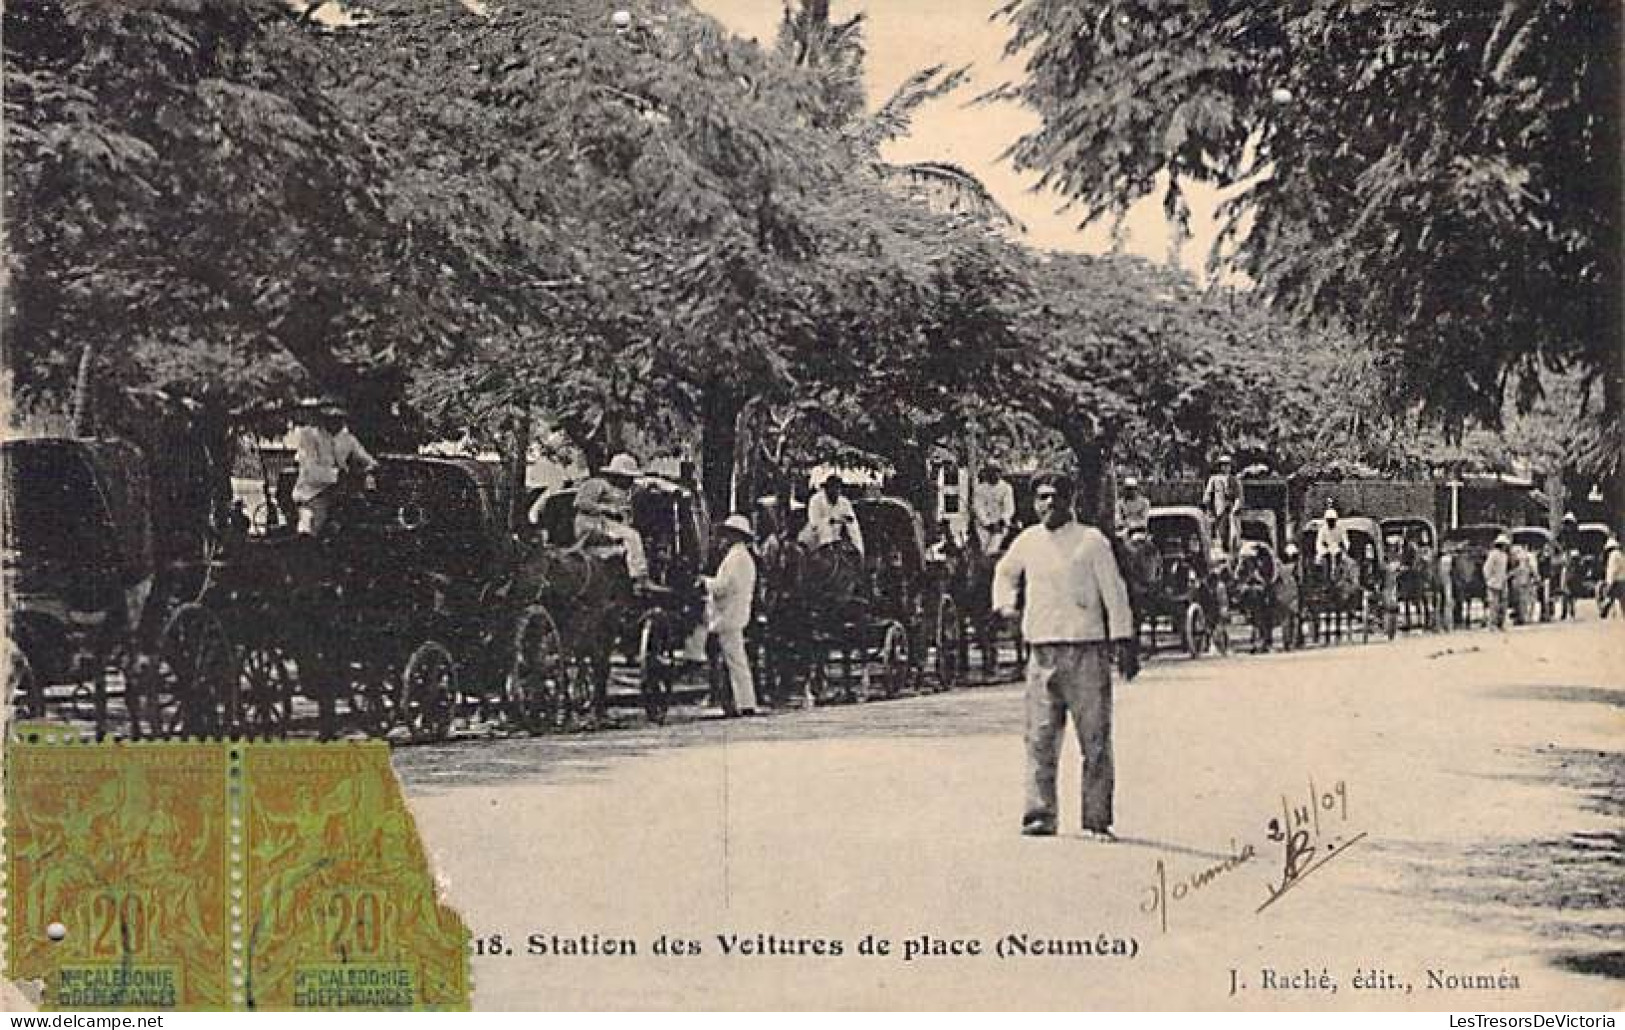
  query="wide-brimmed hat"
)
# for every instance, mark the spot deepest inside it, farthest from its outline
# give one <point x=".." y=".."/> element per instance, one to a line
<point x="1503" y="539"/>
<point x="1331" y="514"/>
<point x="623" y="465"/>
<point x="1130" y="481"/>
<point x="1612" y="545"/>
<point x="1226" y="459"/>
<point x="739" y="524"/>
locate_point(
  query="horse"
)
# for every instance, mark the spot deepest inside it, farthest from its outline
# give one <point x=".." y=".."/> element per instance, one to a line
<point x="971" y="585"/>
<point x="1417" y="586"/>
<point x="589" y="594"/>
<point x="1331" y="593"/>
<point x="1142" y="567"/>
<point x="808" y="595"/>
<point x="1259" y="596"/>
<point x="1467" y="584"/>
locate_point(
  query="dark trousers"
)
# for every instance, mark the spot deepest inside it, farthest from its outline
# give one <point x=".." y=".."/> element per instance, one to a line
<point x="1075" y="678"/>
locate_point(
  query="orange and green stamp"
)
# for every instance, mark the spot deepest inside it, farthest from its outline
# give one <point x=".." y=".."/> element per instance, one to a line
<point x="221" y="875"/>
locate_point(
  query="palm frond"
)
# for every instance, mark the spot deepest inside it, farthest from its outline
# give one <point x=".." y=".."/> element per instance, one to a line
<point x="895" y="117"/>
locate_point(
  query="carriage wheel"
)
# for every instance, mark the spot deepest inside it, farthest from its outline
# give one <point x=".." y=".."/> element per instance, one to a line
<point x="1195" y="630"/>
<point x="949" y="643"/>
<point x="895" y="659"/>
<point x="654" y="671"/>
<point x="267" y="682"/>
<point x="428" y="692"/>
<point x="191" y="686"/>
<point x="539" y="680"/>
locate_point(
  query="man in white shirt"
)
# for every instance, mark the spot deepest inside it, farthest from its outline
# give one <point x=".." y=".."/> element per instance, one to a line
<point x="1612" y="591"/>
<point x="730" y="593"/>
<point x="1076" y="605"/>
<point x="1496" y="568"/>
<point x="1331" y="542"/>
<point x="1133" y="508"/>
<point x="993" y="509"/>
<point x="324" y="449"/>
<point x="831" y="517"/>
<point x="1221" y="497"/>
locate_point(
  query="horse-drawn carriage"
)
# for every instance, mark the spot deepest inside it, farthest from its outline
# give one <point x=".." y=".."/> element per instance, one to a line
<point x="1591" y="541"/>
<point x="1467" y="547"/>
<point x="1540" y="545"/>
<point x="841" y="622"/>
<point x="1175" y="578"/>
<point x="1341" y="587"/>
<point x="592" y="604"/>
<point x="1411" y="544"/>
<point x="403" y="611"/>
<point x="99" y="590"/>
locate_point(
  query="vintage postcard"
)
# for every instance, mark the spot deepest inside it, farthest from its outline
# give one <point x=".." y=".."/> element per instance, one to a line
<point x="812" y="505"/>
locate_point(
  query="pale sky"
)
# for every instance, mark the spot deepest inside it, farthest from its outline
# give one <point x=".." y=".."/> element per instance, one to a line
<point x="906" y="35"/>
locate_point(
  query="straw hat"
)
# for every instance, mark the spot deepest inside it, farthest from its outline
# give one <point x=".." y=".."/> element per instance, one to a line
<point x="623" y="465"/>
<point x="739" y="524"/>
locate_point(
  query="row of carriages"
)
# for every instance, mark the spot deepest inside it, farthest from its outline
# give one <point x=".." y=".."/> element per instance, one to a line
<point x="129" y="612"/>
<point x="1393" y="578"/>
<point x="420" y="612"/>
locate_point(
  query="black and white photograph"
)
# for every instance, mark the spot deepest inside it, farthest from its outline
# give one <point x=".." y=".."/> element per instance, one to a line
<point x="813" y="505"/>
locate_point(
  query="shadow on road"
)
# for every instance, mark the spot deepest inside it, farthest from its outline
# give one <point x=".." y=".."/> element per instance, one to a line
<point x="1569" y="890"/>
<point x="575" y="758"/>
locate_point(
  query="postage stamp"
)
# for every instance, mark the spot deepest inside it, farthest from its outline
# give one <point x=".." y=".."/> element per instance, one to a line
<point x="220" y="874"/>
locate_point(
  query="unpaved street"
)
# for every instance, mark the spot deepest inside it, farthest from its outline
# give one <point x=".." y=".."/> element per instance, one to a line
<point x="1465" y="820"/>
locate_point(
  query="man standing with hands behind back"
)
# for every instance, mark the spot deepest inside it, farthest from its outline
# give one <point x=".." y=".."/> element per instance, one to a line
<point x="1076" y="606"/>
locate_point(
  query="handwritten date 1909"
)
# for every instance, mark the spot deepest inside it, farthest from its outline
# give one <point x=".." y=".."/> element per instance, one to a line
<point x="1304" y="834"/>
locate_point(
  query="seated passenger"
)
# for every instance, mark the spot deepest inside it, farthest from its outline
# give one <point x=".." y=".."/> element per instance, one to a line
<point x="603" y="509"/>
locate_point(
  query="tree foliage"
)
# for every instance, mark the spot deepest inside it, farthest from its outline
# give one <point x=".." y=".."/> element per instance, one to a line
<point x="622" y="235"/>
<point x="189" y="210"/>
<point x="1444" y="177"/>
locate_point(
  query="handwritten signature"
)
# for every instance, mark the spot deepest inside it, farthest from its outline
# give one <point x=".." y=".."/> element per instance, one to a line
<point x="1312" y="830"/>
<point x="1159" y="896"/>
<point x="1307" y="841"/>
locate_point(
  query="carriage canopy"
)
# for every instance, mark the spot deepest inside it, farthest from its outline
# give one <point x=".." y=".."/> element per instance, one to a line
<point x="1182" y="529"/>
<point x="75" y="508"/>
<point x="1412" y="529"/>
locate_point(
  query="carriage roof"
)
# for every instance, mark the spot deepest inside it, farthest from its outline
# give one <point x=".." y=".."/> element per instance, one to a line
<point x="1180" y="520"/>
<point x="891" y="522"/>
<point x="1404" y="522"/>
<point x="1353" y="523"/>
<point x="1539" y="535"/>
<point x="58" y="488"/>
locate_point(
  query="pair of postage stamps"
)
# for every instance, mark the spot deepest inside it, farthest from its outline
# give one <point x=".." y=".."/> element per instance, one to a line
<point x="219" y="874"/>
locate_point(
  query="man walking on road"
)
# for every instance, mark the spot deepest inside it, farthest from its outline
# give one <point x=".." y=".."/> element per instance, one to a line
<point x="1076" y="605"/>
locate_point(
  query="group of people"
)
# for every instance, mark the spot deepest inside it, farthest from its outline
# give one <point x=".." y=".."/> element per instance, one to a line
<point x="1060" y="577"/>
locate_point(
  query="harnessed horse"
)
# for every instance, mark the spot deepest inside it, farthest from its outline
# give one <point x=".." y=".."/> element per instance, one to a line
<point x="1258" y="595"/>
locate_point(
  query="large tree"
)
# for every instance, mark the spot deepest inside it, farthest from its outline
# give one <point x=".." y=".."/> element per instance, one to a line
<point x="1443" y="177"/>
<point x="188" y="210"/>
